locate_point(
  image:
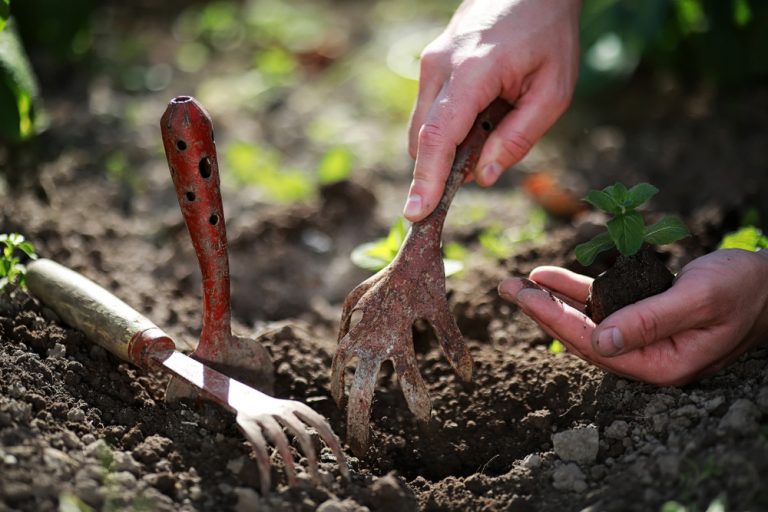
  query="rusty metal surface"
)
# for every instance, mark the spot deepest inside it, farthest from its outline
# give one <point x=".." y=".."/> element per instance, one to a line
<point x="190" y="149"/>
<point x="410" y="288"/>
<point x="260" y="417"/>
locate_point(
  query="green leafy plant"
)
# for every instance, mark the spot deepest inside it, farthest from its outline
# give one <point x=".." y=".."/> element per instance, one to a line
<point x="626" y="229"/>
<point x="376" y="255"/>
<point x="749" y="238"/>
<point x="21" y="114"/>
<point x="501" y="242"/>
<point x="556" y="347"/>
<point x="12" y="272"/>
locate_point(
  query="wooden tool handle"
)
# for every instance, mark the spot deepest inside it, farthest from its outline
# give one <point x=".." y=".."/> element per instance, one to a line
<point x="105" y="319"/>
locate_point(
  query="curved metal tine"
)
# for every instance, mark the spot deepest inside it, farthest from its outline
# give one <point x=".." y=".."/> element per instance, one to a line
<point x="452" y="342"/>
<point x="412" y="384"/>
<point x="359" y="406"/>
<point x="275" y="433"/>
<point x="344" y="353"/>
<point x="299" y="432"/>
<point x="253" y="433"/>
<point x="351" y="301"/>
<point x="319" y="423"/>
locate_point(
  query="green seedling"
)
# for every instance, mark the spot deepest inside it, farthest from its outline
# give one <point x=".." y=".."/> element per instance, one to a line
<point x="501" y="242"/>
<point x="748" y="238"/>
<point x="556" y="347"/>
<point x="12" y="272"/>
<point x="627" y="230"/>
<point x="376" y="255"/>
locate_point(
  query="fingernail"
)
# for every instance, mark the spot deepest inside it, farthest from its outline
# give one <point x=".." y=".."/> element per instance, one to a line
<point x="609" y="342"/>
<point x="509" y="288"/>
<point x="412" y="206"/>
<point x="490" y="173"/>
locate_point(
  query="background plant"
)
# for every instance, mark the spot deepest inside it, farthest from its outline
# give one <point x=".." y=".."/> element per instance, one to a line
<point x="626" y="230"/>
<point x="376" y="255"/>
<point x="12" y="271"/>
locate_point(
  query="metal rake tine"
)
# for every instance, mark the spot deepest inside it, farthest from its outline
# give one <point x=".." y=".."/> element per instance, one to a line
<point x="340" y="360"/>
<point x="254" y="435"/>
<point x="351" y="301"/>
<point x="359" y="406"/>
<point x="277" y="436"/>
<point x="452" y="342"/>
<point x="297" y="429"/>
<point x="413" y="386"/>
<point x="315" y="420"/>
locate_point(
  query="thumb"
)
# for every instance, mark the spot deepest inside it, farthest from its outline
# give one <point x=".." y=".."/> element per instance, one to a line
<point x="651" y="320"/>
<point x="534" y="112"/>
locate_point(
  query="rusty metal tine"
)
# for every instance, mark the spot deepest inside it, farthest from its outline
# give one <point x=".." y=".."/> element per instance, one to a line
<point x="253" y="434"/>
<point x="275" y="433"/>
<point x="315" y="420"/>
<point x="297" y="429"/>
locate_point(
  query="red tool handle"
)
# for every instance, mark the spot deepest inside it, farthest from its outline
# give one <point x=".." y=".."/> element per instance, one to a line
<point x="191" y="152"/>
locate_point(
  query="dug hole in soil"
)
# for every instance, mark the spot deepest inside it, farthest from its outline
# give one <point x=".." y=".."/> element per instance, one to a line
<point x="534" y="430"/>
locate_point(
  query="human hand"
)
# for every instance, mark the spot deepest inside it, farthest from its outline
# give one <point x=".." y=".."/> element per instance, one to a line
<point x="715" y="311"/>
<point x="524" y="51"/>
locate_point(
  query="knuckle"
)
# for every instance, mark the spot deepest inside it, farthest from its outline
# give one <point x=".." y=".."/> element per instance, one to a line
<point x="648" y="322"/>
<point x="516" y="145"/>
<point x="432" y="136"/>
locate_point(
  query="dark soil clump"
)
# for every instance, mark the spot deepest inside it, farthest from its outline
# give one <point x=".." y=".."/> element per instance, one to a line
<point x="630" y="279"/>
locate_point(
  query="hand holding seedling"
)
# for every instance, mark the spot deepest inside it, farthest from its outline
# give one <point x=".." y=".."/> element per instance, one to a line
<point x="716" y="310"/>
<point x="523" y="52"/>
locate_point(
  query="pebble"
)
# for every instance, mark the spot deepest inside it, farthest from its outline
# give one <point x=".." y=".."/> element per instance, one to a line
<point x="58" y="350"/>
<point x="124" y="461"/>
<point x="741" y="418"/>
<point x="569" y="477"/>
<point x="247" y="499"/>
<point x="532" y="461"/>
<point x="577" y="445"/>
<point x="76" y="415"/>
<point x="617" y="430"/>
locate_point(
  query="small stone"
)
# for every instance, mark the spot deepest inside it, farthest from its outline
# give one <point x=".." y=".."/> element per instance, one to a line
<point x="88" y="439"/>
<point x="247" y="499"/>
<point x="58" y="350"/>
<point x="569" y="477"/>
<point x="617" y="430"/>
<point x="124" y="461"/>
<point x="236" y="465"/>
<point x="741" y="417"/>
<point x="577" y="445"/>
<point x="76" y="415"/>
<point x="532" y="461"/>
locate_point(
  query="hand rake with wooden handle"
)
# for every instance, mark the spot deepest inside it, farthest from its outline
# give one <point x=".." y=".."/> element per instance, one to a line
<point x="120" y="329"/>
<point x="412" y="287"/>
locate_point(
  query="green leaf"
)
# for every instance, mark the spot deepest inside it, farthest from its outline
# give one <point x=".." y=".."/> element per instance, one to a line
<point x="588" y="251"/>
<point x="665" y="231"/>
<point x="639" y="194"/>
<point x="627" y="232"/>
<point x="5" y="12"/>
<point x="748" y="238"/>
<point x="556" y="347"/>
<point x="603" y="200"/>
<point x="618" y="192"/>
<point x="20" y="113"/>
<point x="336" y="165"/>
<point x="28" y="249"/>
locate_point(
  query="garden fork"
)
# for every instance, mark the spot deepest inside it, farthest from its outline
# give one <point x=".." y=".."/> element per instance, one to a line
<point x="191" y="152"/>
<point x="410" y="288"/>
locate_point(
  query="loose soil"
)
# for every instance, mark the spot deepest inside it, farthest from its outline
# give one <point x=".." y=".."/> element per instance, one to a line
<point x="534" y="430"/>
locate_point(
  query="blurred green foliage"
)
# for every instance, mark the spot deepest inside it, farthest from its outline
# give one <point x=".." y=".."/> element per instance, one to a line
<point x="724" y="41"/>
<point x="21" y="114"/>
<point x="62" y="30"/>
<point x="501" y="242"/>
<point x="376" y="255"/>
